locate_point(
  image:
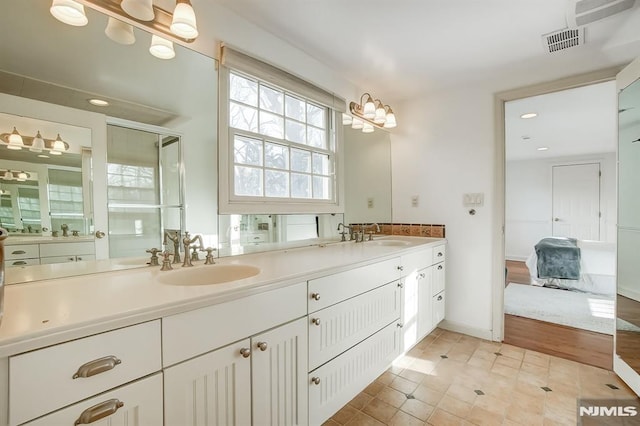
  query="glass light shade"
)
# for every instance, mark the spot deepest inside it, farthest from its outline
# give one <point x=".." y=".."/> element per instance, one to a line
<point x="15" y="140"/>
<point x="367" y="128"/>
<point x="69" y="12"/>
<point x="58" y="146"/>
<point x="369" y="108"/>
<point x="22" y="176"/>
<point x="139" y="9"/>
<point x="120" y="32"/>
<point x="357" y="124"/>
<point x="346" y="119"/>
<point x="381" y="115"/>
<point x="37" y="145"/>
<point x="7" y="175"/>
<point x="184" y="21"/>
<point x="390" y="121"/>
<point x="161" y="48"/>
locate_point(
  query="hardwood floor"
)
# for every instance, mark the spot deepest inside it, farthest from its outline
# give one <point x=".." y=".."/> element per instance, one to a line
<point x="566" y="342"/>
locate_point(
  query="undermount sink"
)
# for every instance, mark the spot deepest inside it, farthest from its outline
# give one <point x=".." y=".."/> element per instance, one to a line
<point x="207" y="274"/>
<point x="390" y="243"/>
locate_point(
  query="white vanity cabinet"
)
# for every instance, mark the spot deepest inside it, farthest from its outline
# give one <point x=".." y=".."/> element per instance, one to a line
<point x="22" y="255"/>
<point x="67" y="252"/>
<point x="262" y="372"/>
<point x="63" y="374"/>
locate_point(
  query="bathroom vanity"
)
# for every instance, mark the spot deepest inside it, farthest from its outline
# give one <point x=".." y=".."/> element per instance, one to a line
<point x="284" y="337"/>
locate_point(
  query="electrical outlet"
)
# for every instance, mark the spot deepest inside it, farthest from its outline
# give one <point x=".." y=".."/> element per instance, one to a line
<point x="414" y="201"/>
<point x="370" y="202"/>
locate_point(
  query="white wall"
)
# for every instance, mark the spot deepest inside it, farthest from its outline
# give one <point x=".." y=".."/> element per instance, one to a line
<point x="528" y="196"/>
<point x="444" y="147"/>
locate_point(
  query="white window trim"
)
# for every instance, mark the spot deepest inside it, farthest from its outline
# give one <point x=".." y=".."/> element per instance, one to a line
<point x="230" y="204"/>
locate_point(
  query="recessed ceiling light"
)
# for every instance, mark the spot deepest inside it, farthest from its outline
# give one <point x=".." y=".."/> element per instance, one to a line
<point x="543" y="148"/>
<point x="98" y="102"/>
<point x="43" y="156"/>
<point x="529" y="115"/>
<point x="526" y="138"/>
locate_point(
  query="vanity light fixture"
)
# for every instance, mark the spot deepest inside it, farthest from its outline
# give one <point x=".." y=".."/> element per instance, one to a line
<point x="161" y="48"/>
<point x="98" y="102"/>
<point x="529" y="115"/>
<point x="70" y="12"/>
<point x="372" y="112"/>
<point x="17" y="175"/>
<point x="180" y="25"/>
<point x="120" y="32"/>
<point x="37" y="145"/>
<point x="15" y="140"/>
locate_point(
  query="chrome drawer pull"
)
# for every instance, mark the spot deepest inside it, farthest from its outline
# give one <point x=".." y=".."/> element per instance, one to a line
<point x="262" y="346"/>
<point x="18" y="252"/>
<point x="99" y="411"/>
<point x="315" y="380"/>
<point x="315" y="296"/>
<point x="245" y="352"/>
<point x="97" y="366"/>
<point x="400" y="268"/>
<point x="439" y="267"/>
<point x="439" y="254"/>
<point x="439" y="298"/>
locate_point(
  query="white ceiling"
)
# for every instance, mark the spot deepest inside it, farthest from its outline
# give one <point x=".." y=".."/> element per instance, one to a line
<point x="406" y="47"/>
<point x="572" y="122"/>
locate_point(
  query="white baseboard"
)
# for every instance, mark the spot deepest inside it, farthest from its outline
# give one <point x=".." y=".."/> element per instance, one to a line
<point x="465" y="329"/>
<point x="516" y="258"/>
<point x="626" y="373"/>
<point x="628" y="292"/>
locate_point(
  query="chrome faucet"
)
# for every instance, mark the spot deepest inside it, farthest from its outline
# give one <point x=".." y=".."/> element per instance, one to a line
<point x="175" y="238"/>
<point x="370" y="233"/>
<point x="186" y="241"/>
<point x="3" y="236"/>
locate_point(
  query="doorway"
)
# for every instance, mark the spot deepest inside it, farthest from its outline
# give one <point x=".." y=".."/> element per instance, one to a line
<point x="560" y="182"/>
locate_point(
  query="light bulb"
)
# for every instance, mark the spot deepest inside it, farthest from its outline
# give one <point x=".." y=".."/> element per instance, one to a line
<point x="58" y="146"/>
<point x="7" y="175"/>
<point x="22" y="176"/>
<point x="69" y="12"/>
<point x="184" y="20"/>
<point x="37" y="145"/>
<point x="161" y="48"/>
<point x="15" y="140"/>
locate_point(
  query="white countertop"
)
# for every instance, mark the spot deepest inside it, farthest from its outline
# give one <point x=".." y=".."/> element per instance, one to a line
<point x="43" y="313"/>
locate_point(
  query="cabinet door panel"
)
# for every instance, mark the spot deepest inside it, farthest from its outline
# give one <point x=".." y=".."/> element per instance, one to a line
<point x="425" y="320"/>
<point x="439" y="272"/>
<point x="279" y="375"/>
<point x="212" y="389"/>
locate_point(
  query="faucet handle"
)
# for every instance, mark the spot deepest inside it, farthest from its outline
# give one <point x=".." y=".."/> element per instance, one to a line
<point x="154" y="256"/>
<point x="166" y="261"/>
<point x="209" y="259"/>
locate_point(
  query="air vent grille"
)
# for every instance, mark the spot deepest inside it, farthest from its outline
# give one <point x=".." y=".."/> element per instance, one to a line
<point x="563" y="39"/>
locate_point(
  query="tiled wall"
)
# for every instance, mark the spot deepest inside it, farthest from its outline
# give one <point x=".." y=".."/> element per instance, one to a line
<point x="411" y="229"/>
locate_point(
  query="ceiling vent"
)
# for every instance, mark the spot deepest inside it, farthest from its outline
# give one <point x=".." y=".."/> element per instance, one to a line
<point x="563" y="39"/>
<point x="584" y="12"/>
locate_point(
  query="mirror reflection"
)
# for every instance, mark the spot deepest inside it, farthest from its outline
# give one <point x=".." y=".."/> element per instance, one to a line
<point x="628" y="300"/>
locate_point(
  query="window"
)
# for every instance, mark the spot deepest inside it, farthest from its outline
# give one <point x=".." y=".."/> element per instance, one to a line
<point x="278" y="144"/>
<point x="281" y="146"/>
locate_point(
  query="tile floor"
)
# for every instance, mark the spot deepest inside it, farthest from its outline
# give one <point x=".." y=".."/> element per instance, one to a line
<point x="454" y="379"/>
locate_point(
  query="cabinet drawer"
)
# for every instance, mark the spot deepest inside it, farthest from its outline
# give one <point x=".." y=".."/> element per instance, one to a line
<point x="66" y="249"/>
<point x="334" y="384"/>
<point x="337" y="328"/>
<point x="415" y="261"/>
<point x="140" y="404"/>
<point x="196" y="332"/>
<point x="50" y="375"/>
<point x="439" y="253"/>
<point x="22" y="262"/>
<point x="57" y="259"/>
<point x="329" y="290"/>
<point x="438" y="308"/>
<point x="439" y="275"/>
<point x="21" y="251"/>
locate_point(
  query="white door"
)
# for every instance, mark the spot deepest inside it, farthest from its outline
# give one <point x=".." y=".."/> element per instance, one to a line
<point x="576" y="201"/>
<point x="212" y="389"/>
<point x="279" y="375"/>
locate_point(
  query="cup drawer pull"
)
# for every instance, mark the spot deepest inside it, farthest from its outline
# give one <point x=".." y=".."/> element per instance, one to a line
<point x="99" y="411"/>
<point x="18" y="252"/>
<point x="97" y="366"/>
<point x="19" y="262"/>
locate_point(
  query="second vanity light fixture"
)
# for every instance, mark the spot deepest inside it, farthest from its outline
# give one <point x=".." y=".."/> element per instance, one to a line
<point x="15" y="141"/>
<point x="369" y="113"/>
<point x="181" y="24"/>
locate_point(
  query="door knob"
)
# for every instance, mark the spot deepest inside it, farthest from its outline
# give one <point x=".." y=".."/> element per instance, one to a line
<point x="262" y="346"/>
<point x="556" y="219"/>
<point x="100" y="234"/>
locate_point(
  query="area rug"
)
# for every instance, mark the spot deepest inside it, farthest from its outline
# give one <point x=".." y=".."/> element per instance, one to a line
<point x="571" y="308"/>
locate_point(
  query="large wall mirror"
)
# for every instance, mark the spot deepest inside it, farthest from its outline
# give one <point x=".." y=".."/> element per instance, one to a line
<point x="152" y="149"/>
<point x="628" y="300"/>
